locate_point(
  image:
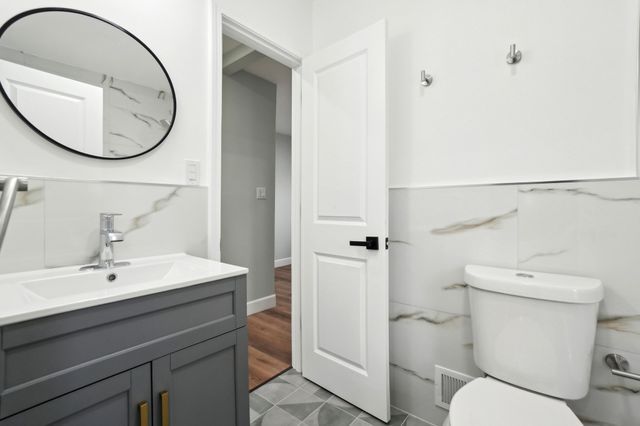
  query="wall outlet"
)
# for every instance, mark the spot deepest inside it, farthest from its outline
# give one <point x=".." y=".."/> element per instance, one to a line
<point x="261" y="193"/>
<point x="192" y="172"/>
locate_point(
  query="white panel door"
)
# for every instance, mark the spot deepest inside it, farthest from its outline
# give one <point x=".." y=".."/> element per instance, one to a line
<point x="345" y="295"/>
<point x="66" y="110"/>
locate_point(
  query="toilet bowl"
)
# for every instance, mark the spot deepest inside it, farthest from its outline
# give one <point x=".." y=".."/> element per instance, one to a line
<point x="490" y="402"/>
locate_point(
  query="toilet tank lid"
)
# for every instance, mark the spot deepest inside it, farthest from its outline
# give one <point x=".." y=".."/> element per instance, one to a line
<point x="535" y="285"/>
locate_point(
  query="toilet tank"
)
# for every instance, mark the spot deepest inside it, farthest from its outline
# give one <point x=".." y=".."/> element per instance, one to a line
<point x="534" y="330"/>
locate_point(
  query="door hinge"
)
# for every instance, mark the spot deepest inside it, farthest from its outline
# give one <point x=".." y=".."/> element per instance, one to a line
<point x="386" y="243"/>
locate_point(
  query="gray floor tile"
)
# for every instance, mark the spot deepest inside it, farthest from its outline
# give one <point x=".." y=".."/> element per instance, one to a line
<point x="344" y="405"/>
<point x="323" y="394"/>
<point x="298" y="399"/>
<point x="329" y="415"/>
<point x="257" y="405"/>
<point x="309" y="386"/>
<point x="293" y="377"/>
<point x="300" y="404"/>
<point x="275" y="390"/>
<point x="316" y="390"/>
<point x="253" y="415"/>
<point x="276" y="417"/>
<point x="413" y="421"/>
<point x="397" y="418"/>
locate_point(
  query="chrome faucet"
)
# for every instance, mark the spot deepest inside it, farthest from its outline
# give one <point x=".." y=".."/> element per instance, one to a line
<point x="108" y="236"/>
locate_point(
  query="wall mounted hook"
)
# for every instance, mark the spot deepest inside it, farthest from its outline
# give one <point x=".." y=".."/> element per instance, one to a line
<point x="425" y="79"/>
<point x="514" y="56"/>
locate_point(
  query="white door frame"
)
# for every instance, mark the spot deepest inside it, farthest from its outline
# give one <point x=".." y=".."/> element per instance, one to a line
<point x="223" y="24"/>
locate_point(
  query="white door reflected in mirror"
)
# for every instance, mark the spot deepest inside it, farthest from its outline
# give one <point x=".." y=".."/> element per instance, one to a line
<point x="65" y="109"/>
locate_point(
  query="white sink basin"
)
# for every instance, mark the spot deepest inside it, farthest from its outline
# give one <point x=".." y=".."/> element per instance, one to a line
<point x="35" y="294"/>
<point x="90" y="282"/>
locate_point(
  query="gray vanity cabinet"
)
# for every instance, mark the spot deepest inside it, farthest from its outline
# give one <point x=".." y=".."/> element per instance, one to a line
<point x="176" y="358"/>
<point x="118" y="400"/>
<point x="201" y="382"/>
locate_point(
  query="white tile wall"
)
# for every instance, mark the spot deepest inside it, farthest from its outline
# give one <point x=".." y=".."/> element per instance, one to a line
<point x="587" y="228"/>
<point x="435" y="232"/>
<point x="420" y="339"/>
<point x="590" y="229"/>
<point x="23" y="247"/>
<point x="133" y="115"/>
<point x="56" y="223"/>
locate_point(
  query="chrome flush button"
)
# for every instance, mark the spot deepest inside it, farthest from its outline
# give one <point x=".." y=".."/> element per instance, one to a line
<point x="524" y="275"/>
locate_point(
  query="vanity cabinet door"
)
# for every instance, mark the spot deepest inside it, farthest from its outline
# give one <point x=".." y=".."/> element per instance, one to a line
<point x="204" y="384"/>
<point x="118" y="400"/>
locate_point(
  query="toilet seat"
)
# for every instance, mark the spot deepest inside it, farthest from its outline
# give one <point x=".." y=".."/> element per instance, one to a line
<point x="489" y="402"/>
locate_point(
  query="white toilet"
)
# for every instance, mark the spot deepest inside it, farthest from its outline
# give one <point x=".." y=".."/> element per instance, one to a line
<point x="533" y="336"/>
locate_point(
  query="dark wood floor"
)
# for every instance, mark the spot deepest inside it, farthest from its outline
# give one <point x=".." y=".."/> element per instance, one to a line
<point x="270" y="334"/>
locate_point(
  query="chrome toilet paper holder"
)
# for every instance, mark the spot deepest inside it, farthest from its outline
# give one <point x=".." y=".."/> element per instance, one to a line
<point x="620" y="366"/>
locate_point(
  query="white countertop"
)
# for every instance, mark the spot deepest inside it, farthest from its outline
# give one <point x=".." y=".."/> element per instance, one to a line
<point x="35" y="294"/>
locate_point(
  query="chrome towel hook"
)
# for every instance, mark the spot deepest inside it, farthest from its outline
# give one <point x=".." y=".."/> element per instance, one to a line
<point x="426" y="79"/>
<point x="514" y="56"/>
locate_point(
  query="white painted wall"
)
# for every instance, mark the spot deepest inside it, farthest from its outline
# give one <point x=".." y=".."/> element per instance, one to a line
<point x="282" y="238"/>
<point x="178" y="32"/>
<point x="287" y="23"/>
<point x="568" y="111"/>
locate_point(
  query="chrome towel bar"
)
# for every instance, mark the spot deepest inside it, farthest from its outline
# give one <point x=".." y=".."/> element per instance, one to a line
<point x="9" y="187"/>
<point x="23" y="183"/>
<point x="620" y="366"/>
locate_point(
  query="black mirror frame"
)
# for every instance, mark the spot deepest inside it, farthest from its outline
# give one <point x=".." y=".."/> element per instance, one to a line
<point x="21" y="15"/>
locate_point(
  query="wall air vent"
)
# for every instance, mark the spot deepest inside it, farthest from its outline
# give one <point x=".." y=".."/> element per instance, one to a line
<point x="448" y="382"/>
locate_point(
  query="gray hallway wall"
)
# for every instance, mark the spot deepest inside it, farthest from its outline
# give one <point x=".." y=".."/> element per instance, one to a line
<point x="283" y="198"/>
<point x="248" y="161"/>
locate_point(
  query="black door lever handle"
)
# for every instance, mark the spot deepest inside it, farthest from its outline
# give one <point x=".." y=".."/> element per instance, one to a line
<point x="371" y="243"/>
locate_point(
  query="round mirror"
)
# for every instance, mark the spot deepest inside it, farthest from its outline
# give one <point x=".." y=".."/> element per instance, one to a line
<point x="85" y="84"/>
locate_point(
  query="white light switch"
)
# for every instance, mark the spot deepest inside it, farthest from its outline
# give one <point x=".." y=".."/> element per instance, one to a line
<point x="192" y="170"/>
<point x="261" y="193"/>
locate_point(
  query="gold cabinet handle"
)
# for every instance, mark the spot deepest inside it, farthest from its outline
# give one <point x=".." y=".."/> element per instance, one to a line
<point x="143" y="410"/>
<point x="164" y="400"/>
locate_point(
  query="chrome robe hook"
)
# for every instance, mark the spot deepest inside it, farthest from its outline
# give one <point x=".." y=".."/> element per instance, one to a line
<point x="425" y="79"/>
<point x="514" y="56"/>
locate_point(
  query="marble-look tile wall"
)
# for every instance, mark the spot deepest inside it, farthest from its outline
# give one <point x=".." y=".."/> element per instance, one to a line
<point x="56" y="223"/>
<point x="135" y="117"/>
<point x="590" y="228"/>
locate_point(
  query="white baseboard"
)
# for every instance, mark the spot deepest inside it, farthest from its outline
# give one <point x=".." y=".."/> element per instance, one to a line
<point x="282" y="262"/>
<point x="262" y="304"/>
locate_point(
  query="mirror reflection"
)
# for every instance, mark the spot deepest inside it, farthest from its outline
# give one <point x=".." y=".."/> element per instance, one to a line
<point x="85" y="84"/>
